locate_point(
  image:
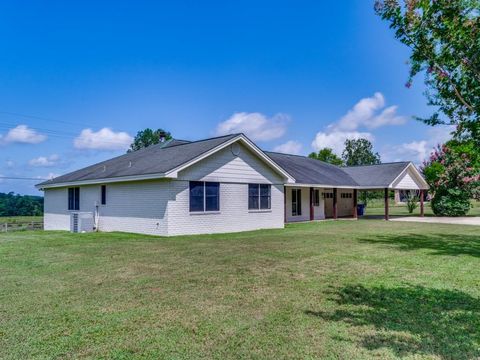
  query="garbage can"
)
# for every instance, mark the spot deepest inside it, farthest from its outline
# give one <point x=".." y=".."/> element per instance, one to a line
<point x="360" y="209"/>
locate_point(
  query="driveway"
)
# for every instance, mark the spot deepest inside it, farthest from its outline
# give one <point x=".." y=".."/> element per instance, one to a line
<point x="439" y="220"/>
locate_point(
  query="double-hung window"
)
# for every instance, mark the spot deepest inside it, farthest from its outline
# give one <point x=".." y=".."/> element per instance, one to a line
<point x="74" y="198"/>
<point x="296" y="202"/>
<point x="259" y="196"/>
<point x="204" y="196"/>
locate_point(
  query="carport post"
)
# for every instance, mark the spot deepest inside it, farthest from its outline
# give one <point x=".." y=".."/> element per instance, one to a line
<point x="355" y="201"/>
<point x="335" y="203"/>
<point x="386" y="204"/>
<point x="311" y="204"/>
<point x="422" y="208"/>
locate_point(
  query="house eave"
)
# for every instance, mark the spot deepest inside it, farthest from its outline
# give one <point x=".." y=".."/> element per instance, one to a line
<point x="102" y="181"/>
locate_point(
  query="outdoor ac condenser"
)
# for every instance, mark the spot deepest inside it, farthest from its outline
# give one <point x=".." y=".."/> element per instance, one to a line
<point x="81" y="222"/>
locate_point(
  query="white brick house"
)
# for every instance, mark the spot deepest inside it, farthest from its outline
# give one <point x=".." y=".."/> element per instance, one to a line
<point x="217" y="185"/>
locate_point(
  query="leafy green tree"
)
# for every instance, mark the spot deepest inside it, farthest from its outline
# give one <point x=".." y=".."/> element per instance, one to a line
<point x="359" y="152"/>
<point x="20" y="205"/>
<point x="454" y="178"/>
<point x="149" y="137"/>
<point x="326" y="155"/>
<point x="444" y="38"/>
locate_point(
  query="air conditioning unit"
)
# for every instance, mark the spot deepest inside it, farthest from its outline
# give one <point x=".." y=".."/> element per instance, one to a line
<point x="81" y="222"/>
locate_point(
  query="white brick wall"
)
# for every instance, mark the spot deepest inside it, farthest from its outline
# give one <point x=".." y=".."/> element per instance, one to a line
<point x="161" y="207"/>
<point x="233" y="215"/>
<point x="131" y="207"/>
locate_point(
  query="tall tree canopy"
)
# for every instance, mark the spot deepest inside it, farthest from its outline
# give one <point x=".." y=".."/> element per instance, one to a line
<point x="359" y="152"/>
<point x="444" y="38"/>
<point x="20" y="205"/>
<point x="327" y="155"/>
<point x="149" y="137"/>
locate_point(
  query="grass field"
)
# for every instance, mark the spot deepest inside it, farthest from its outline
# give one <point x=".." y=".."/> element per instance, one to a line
<point x="337" y="290"/>
<point x="376" y="207"/>
<point x="20" y="219"/>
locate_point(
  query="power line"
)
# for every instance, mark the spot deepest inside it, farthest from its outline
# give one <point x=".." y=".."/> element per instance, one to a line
<point x="44" y="118"/>
<point x="20" y="178"/>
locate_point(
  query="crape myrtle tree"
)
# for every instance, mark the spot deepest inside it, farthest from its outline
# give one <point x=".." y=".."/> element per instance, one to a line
<point x="149" y="137"/>
<point x="453" y="173"/>
<point x="444" y="38"/>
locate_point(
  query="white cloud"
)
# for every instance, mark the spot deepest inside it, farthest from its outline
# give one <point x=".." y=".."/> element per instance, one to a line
<point x="369" y="113"/>
<point x="336" y="139"/>
<point x="10" y="163"/>
<point x="420" y="150"/>
<point x="45" y="161"/>
<point x="290" y="147"/>
<point x="49" y="176"/>
<point x="22" y="134"/>
<point x="104" y="139"/>
<point x="256" y="126"/>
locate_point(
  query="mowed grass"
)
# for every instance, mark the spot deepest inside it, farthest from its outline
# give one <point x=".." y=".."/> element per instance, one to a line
<point x="337" y="290"/>
<point x="376" y="207"/>
<point x="20" y="219"/>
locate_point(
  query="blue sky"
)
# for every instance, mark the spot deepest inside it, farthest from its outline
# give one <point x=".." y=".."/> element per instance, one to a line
<point x="80" y="78"/>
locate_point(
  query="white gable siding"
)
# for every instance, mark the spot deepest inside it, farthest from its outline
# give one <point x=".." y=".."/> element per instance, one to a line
<point x="407" y="181"/>
<point x="224" y="166"/>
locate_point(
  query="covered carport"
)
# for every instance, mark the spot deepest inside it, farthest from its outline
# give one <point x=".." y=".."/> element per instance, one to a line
<point x="389" y="176"/>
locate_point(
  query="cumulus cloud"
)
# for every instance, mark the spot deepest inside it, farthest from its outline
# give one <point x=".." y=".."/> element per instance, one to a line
<point x="22" y="134"/>
<point x="256" y="126"/>
<point x="420" y="150"/>
<point x="103" y="139"/>
<point x="45" y="161"/>
<point x="368" y="113"/>
<point x="290" y="147"/>
<point x="336" y="139"/>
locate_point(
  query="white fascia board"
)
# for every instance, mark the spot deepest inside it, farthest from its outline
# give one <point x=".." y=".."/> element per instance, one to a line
<point x="174" y="172"/>
<point x="419" y="177"/>
<point x="102" y="181"/>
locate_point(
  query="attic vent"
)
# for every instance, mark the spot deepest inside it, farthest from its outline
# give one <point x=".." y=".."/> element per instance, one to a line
<point x="129" y="164"/>
<point x="235" y="149"/>
<point x="104" y="168"/>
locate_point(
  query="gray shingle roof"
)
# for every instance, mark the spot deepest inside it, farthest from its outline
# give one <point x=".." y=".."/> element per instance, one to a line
<point x="151" y="160"/>
<point x="311" y="171"/>
<point x="376" y="175"/>
<point x="161" y="158"/>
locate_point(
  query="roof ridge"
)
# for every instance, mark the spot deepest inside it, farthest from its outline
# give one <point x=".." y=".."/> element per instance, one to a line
<point x="305" y="157"/>
<point x="188" y="142"/>
<point x="385" y="163"/>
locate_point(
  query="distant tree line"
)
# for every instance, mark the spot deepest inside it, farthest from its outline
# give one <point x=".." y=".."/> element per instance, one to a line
<point x="12" y="204"/>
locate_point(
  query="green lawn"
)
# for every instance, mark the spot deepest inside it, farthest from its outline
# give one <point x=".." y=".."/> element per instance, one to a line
<point x="337" y="290"/>
<point x="20" y="219"/>
<point x="376" y="207"/>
